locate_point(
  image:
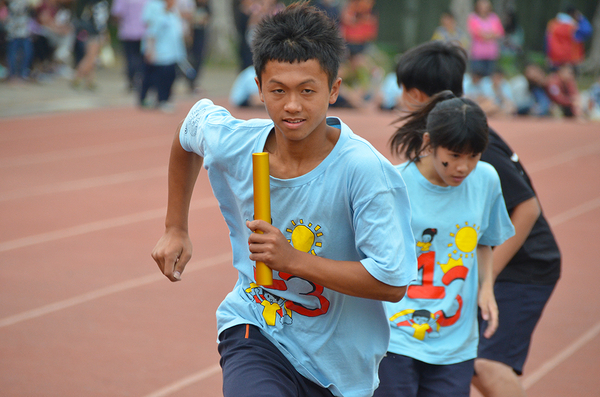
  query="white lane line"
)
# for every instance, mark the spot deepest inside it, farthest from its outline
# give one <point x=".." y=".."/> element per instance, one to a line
<point x="554" y="362"/>
<point x="574" y="212"/>
<point x="97" y="226"/>
<point x="109" y="290"/>
<point x="563" y="157"/>
<point x="562" y="356"/>
<point x="86" y="183"/>
<point x="187" y="381"/>
<point x="61" y="155"/>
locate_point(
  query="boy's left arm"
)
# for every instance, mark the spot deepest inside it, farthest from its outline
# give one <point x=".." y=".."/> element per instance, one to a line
<point x="347" y="277"/>
<point x="486" y="298"/>
<point x="523" y="217"/>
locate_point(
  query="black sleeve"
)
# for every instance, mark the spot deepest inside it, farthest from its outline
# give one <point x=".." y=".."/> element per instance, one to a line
<point x="516" y="185"/>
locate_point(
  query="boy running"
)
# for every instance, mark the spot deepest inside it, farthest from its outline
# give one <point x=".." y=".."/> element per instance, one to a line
<point x="320" y="328"/>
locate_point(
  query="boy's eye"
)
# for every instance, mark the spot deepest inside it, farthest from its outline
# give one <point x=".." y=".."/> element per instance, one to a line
<point x="308" y="91"/>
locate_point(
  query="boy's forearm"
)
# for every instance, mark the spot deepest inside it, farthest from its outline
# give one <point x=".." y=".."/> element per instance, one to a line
<point x="347" y="277"/>
<point x="523" y="218"/>
<point x="184" y="168"/>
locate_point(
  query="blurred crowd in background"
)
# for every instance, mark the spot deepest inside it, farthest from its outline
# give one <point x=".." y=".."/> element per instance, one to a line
<point x="161" y="41"/>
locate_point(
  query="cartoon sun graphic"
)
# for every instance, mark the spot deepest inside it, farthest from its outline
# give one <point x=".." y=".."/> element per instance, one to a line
<point x="465" y="239"/>
<point x="304" y="237"/>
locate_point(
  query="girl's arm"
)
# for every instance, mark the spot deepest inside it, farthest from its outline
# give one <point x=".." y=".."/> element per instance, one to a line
<point x="347" y="277"/>
<point x="174" y="249"/>
<point x="523" y="217"/>
<point x="486" y="298"/>
<point x="474" y="27"/>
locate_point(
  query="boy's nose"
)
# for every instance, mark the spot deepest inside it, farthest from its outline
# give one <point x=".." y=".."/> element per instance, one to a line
<point x="293" y="104"/>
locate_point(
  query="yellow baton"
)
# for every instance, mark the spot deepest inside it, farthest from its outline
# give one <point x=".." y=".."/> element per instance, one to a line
<point x="262" y="207"/>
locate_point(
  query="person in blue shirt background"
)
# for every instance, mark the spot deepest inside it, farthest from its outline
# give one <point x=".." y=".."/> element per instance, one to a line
<point x="163" y="47"/>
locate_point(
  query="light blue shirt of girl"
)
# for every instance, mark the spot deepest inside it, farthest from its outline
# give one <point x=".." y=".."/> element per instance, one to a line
<point x="436" y="322"/>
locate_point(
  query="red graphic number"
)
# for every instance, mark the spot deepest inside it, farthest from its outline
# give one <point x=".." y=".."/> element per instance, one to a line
<point x="317" y="290"/>
<point x="426" y="290"/>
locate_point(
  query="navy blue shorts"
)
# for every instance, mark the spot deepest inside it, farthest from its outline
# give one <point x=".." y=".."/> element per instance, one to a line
<point x="520" y="307"/>
<point x="254" y="367"/>
<point x="404" y="376"/>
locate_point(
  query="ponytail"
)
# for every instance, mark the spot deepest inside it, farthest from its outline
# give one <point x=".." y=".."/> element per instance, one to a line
<point x="408" y="139"/>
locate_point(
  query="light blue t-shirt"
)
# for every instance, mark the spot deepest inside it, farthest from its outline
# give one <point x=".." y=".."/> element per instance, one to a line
<point x="436" y="322"/>
<point x="166" y="29"/>
<point x="353" y="207"/>
<point x="243" y="87"/>
<point x="485" y="88"/>
<point x="389" y="91"/>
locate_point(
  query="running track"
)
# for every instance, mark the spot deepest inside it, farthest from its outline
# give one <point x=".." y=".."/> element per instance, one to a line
<point x="85" y="312"/>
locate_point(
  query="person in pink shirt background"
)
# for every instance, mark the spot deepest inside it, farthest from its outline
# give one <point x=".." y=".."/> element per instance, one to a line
<point x="486" y="30"/>
<point x="128" y="14"/>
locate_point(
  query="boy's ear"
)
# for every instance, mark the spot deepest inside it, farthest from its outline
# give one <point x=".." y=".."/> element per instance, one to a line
<point x="260" y="94"/>
<point x="418" y="95"/>
<point x="335" y="90"/>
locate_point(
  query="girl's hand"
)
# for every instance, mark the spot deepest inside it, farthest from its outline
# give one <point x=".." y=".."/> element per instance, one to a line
<point x="489" y="308"/>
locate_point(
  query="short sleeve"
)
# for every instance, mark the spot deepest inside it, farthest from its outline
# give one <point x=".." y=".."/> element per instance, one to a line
<point x="381" y="218"/>
<point x="499" y="226"/>
<point x="191" y="134"/>
<point x="514" y="181"/>
<point x="384" y="236"/>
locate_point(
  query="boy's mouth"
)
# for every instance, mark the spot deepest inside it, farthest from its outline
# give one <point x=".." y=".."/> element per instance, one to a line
<point x="293" y="121"/>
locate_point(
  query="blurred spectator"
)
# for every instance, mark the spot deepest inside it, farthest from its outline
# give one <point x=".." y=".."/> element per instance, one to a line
<point x="128" y="14"/>
<point x="448" y="31"/>
<point x="163" y="47"/>
<point x="244" y="91"/>
<point x="90" y="32"/>
<point x="199" y="24"/>
<point x="511" y="45"/>
<point x="259" y="9"/>
<point x="565" y="36"/>
<point x="19" y="42"/>
<point x="389" y="95"/>
<point x="248" y="14"/>
<point x="359" y="25"/>
<point x="54" y="36"/>
<point x="502" y="94"/>
<point x="331" y="8"/>
<point x="514" y="36"/>
<point x="486" y="30"/>
<point x="590" y="100"/>
<point x="242" y="16"/>
<point x="361" y="76"/>
<point x="523" y="98"/>
<point x="562" y="90"/>
<point x="185" y="9"/>
<point x="538" y="86"/>
<point x="3" y="17"/>
<point x="492" y="93"/>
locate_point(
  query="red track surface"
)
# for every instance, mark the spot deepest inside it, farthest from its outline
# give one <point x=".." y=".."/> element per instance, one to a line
<point x="84" y="310"/>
